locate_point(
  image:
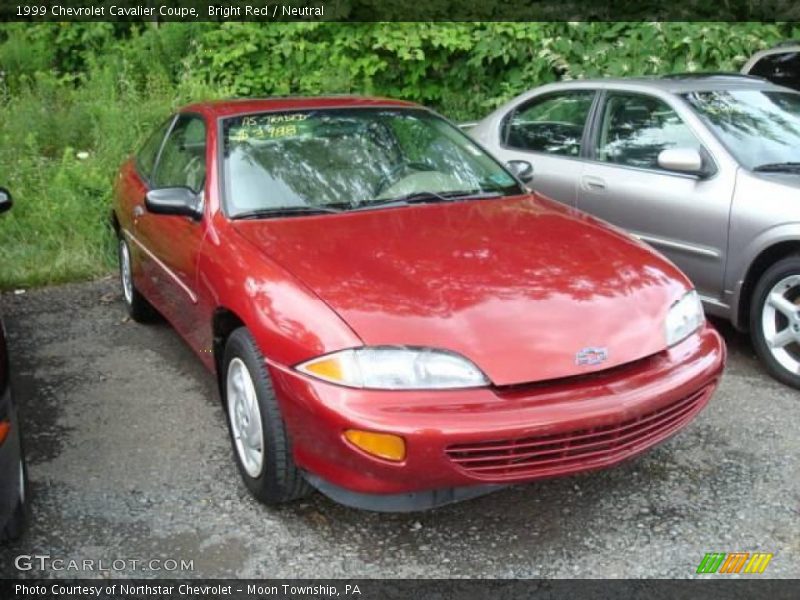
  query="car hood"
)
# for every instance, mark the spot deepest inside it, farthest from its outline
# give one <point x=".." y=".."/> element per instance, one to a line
<point x="518" y="285"/>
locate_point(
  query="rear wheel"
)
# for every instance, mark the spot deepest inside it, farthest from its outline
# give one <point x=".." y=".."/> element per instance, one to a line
<point x="775" y="320"/>
<point x="19" y="519"/>
<point x="138" y="308"/>
<point x="258" y="435"/>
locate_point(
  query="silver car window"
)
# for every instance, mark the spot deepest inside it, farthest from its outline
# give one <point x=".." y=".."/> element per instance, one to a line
<point x="553" y="124"/>
<point x="635" y="128"/>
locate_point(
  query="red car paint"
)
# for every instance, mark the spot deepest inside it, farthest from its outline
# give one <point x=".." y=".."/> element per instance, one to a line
<point x="518" y="285"/>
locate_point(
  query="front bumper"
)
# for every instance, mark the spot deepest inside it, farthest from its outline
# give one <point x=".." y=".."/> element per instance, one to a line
<point x="461" y="443"/>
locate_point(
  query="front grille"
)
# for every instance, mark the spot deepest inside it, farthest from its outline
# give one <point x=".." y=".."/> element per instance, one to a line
<point x="539" y="455"/>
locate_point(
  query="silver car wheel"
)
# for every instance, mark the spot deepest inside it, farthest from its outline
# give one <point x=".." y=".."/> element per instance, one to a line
<point x="125" y="271"/>
<point x="780" y="322"/>
<point x="245" y="417"/>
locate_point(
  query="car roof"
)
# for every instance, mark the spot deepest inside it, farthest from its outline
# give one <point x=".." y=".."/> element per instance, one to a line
<point x="241" y="106"/>
<point x="679" y="83"/>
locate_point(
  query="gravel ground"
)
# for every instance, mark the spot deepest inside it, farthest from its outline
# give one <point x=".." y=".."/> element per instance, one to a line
<point x="129" y="459"/>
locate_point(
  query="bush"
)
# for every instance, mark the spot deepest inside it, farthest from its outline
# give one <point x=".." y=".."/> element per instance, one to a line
<point x="70" y="90"/>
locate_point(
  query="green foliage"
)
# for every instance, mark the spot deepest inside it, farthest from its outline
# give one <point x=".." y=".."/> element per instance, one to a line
<point x="60" y="148"/>
<point x="462" y="69"/>
<point x="76" y="98"/>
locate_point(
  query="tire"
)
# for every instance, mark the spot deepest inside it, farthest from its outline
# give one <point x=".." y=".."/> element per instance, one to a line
<point x="775" y="320"/>
<point x="271" y="476"/>
<point x="138" y="308"/>
<point x="18" y="522"/>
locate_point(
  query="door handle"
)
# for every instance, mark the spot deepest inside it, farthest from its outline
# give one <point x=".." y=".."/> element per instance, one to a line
<point x="593" y="183"/>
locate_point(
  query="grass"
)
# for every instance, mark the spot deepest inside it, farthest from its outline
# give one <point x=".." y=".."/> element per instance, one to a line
<point x="60" y="148"/>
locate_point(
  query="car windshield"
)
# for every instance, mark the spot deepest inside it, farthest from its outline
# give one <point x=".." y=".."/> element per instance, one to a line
<point x="328" y="160"/>
<point x="760" y="128"/>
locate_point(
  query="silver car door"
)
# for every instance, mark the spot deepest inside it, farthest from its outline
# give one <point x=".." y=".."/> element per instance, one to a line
<point x="685" y="216"/>
<point x="547" y="131"/>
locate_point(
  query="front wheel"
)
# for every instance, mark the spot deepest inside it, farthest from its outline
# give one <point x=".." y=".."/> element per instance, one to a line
<point x="258" y="435"/>
<point x="775" y="320"/>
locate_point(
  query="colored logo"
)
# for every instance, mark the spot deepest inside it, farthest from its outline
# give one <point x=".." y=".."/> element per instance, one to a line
<point x="734" y="562"/>
<point x="591" y="356"/>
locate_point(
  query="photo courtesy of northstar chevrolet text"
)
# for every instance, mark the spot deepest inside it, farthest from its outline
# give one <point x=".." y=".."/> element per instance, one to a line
<point x="308" y="298"/>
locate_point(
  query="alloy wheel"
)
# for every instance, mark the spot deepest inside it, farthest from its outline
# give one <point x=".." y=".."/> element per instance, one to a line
<point x="780" y="322"/>
<point x="245" y="417"/>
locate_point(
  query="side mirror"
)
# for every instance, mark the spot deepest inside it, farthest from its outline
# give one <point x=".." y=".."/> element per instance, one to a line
<point x="522" y="169"/>
<point x="5" y="200"/>
<point x="180" y="201"/>
<point x="683" y="160"/>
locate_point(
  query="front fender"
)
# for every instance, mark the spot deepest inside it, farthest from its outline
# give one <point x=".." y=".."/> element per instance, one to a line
<point x="289" y="322"/>
<point x="737" y="275"/>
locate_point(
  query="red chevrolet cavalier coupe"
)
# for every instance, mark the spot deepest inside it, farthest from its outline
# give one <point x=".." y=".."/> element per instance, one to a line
<point x="394" y="319"/>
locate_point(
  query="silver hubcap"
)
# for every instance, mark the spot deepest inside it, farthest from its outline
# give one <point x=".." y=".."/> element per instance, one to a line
<point x="245" y="417"/>
<point x="125" y="271"/>
<point x="780" y="321"/>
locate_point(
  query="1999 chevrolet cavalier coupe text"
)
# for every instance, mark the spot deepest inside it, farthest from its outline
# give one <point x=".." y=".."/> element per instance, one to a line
<point x="393" y="318"/>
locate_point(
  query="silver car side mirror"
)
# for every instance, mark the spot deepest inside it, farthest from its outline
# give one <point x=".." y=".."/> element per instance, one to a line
<point x="522" y="169"/>
<point x="683" y="160"/>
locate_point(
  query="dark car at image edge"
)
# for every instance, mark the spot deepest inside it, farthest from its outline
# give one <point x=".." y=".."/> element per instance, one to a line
<point x="13" y="477"/>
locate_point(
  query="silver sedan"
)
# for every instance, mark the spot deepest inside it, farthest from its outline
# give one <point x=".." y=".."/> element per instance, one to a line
<point x="704" y="168"/>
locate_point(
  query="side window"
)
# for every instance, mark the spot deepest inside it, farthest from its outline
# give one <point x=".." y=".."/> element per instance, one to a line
<point x="146" y="157"/>
<point x="782" y="68"/>
<point x="636" y="128"/>
<point x="553" y="124"/>
<point x="183" y="158"/>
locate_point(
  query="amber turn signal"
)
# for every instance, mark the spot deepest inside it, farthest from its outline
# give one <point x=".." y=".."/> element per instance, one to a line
<point x="382" y="445"/>
<point x="329" y="368"/>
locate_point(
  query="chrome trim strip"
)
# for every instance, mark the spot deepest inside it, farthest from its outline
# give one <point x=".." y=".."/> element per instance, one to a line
<point x="673" y="245"/>
<point x="175" y="278"/>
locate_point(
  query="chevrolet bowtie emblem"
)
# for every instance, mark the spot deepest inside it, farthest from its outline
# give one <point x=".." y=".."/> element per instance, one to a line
<point x="591" y="356"/>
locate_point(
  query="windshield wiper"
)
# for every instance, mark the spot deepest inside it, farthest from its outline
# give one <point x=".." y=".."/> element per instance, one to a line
<point x="428" y="197"/>
<point x="784" y="167"/>
<point x="285" y="211"/>
<point x="476" y="194"/>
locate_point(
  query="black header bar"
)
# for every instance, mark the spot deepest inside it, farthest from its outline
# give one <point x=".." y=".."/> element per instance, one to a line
<point x="397" y="10"/>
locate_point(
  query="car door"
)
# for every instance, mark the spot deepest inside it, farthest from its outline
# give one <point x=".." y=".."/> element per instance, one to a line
<point x="683" y="215"/>
<point x="547" y="131"/>
<point x="171" y="244"/>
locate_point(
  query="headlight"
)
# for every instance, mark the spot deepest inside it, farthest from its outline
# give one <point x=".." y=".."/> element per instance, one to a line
<point x="684" y="318"/>
<point x="396" y="368"/>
